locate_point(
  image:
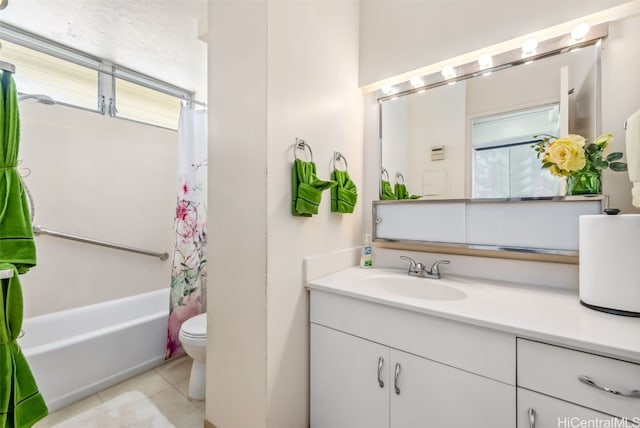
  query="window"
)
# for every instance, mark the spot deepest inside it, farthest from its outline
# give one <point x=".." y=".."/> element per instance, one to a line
<point x="504" y="164"/>
<point x="78" y="79"/>
<point x="64" y="81"/>
<point x="146" y="105"/>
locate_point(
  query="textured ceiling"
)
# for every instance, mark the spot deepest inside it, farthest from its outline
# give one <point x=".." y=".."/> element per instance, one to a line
<point x="155" y="37"/>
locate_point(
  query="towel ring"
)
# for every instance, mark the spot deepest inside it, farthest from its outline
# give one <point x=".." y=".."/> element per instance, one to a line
<point x="383" y="173"/>
<point x="302" y="145"/>
<point x="399" y="176"/>
<point x="337" y="156"/>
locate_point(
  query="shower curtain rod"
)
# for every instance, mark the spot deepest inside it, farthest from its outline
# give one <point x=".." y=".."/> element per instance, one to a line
<point x="39" y="230"/>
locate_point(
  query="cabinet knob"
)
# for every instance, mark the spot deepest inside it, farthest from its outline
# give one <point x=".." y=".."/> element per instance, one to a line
<point x="380" y="365"/>
<point x="532" y="418"/>
<point x="395" y="379"/>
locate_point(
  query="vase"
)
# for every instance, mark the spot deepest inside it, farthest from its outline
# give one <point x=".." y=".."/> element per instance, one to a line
<point x="584" y="183"/>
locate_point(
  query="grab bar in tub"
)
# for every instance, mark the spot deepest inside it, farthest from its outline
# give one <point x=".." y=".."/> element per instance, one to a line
<point x="39" y="230"/>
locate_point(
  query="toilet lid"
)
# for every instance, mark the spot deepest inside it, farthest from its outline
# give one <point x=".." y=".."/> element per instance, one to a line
<point x="196" y="326"/>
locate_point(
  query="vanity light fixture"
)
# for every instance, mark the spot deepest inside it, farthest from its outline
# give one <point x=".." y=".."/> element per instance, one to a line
<point x="580" y="31"/>
<point x="484" y="62"/>
<point x="387" y="89"/>
<point x="529" y="47"/>
<point x="416" y="81"/>
<point x="448" y="72"/>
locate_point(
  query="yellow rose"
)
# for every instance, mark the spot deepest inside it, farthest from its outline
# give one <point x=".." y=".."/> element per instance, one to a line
<point x="567" y="154"/>
<point x="576" y="139"/>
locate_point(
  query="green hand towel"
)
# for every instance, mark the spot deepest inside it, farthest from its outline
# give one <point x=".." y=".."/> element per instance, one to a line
<point x="21" y="405"/>
<point x="387" y="191"/>
<point x="306" y="189"/>
<point x="402" y="192"/>
<point x="16" y="233"/>
<point x="344" y="195"/>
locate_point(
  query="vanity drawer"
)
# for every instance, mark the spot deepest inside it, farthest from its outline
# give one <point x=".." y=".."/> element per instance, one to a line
<point x="556" y="371"/>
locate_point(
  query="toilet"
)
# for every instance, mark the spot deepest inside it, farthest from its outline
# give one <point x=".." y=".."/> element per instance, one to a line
<point x="193" y="337"/>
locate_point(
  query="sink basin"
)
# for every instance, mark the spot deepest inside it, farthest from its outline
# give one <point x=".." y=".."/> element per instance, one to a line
<point x="414" y="287"/>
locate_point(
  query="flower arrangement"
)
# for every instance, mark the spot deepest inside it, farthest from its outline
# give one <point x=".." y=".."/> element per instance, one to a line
<point x="581" y="162"/>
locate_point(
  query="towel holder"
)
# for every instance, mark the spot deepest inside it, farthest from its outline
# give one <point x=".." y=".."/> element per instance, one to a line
<point x="383" y="173"/>
<point x="6" y="274"/>
<point x="302" y="145"/>
<point x="337" y="157"/>
<point x="399" y="177"/>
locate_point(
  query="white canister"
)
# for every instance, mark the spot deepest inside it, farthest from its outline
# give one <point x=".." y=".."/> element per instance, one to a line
<point x="610" y="263"/>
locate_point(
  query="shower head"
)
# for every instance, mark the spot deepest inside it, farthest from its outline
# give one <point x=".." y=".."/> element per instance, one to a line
<point x="41" y="98"/>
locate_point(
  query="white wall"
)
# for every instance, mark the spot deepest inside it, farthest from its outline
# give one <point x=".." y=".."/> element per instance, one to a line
<point x="302" y="60"/>
<point x="395" y="146"/>
<point x="620" y="99"/>
<point x="237" y="253"/>
<point x="398" y="36"/>
<point x="102" y="178"/>
<point x="437" y="118"/>
<point x="313" y="94"/>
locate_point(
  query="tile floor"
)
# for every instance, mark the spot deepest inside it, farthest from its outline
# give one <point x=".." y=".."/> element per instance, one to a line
<point x="165" y="386"/>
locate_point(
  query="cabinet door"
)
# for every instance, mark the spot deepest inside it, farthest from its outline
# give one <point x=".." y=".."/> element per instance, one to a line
<point x="430" y="394"/>
<point x="541" y="411"/>
<point x="345" y="391"/>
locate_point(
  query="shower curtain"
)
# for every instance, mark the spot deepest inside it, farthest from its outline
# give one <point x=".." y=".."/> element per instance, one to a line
<point x="189" y="271"/>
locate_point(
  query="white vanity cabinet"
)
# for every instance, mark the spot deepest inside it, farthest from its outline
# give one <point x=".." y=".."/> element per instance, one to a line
<point x="345" y="391"/>
<point x="560" y="387"/>
<point x="361" y="375"/>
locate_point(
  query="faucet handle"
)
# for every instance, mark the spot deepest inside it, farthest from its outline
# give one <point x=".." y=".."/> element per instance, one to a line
<point x="413" y="264"/>
<point x="414" y="268"/>
<point x="434" y="266"/>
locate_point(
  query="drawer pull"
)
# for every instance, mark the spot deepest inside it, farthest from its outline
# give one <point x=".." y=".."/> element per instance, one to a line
<point x="380" y="364"/>
<point x="532" y="418"/>
<point x="588" y="381"/>
<point x="395" y="379"/>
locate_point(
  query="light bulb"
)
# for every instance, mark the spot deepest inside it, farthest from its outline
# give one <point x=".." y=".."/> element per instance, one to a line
<point x="485" y="61"/>
<point x="416" y="81"/>
<point x="448" y="72"/>
<point x="579" y="31"/>
<point x="529" y="46"/>
<point x="387" y="89"/>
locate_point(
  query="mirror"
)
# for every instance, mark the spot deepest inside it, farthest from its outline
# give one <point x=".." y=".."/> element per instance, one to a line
<point x="472" y="139"/>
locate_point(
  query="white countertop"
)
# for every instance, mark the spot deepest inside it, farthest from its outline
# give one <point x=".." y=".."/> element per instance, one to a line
<point x="550" y="315"/>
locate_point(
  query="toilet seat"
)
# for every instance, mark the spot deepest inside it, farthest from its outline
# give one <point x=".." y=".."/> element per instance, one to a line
<point x="195" y="327"/>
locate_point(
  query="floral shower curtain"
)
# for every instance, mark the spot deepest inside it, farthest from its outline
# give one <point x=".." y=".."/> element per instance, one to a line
<point x="189" y="271"/>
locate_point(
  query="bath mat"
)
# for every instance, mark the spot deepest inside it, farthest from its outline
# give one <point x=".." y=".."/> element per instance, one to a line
<point x="130" y="410"/>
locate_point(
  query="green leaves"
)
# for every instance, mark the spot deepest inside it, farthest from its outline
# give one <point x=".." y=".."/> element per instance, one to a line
<point x="614" y="156"/>
<point x="618" y="166"/>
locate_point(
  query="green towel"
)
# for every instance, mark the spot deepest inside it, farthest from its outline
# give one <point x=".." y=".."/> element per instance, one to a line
<point x="402" y="192"/>
<point x="387" y="191"/>
<point x="344" y="195"/>
<point x="306" y="189"/>
<point x="21" y="405"/>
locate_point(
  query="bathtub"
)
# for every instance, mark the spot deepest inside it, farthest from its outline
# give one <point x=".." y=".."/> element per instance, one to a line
<point x="78" y="352"/>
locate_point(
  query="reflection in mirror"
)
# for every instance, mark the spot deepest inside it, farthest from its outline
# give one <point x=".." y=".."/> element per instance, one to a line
<point x="473" y="139"/>
<point x="503" y="163"/>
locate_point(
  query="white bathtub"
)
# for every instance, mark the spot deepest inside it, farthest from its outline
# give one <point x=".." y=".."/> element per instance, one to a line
<point x="78" y="352"/>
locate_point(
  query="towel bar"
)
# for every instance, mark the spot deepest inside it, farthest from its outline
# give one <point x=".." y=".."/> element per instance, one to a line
<point x="39" y="230"/>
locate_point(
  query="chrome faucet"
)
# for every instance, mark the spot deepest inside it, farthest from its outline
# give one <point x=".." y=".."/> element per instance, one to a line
<point x="418" y="269"/>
